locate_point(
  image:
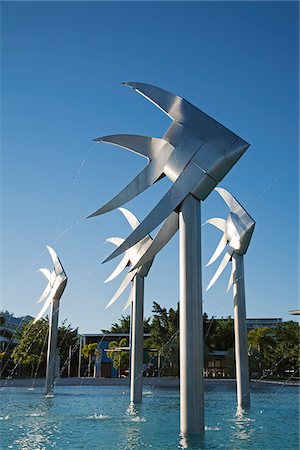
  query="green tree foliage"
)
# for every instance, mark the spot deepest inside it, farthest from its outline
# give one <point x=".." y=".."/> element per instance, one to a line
<point x="120" y="358"/>
<point x="164" y="337"/>
<point x="221" y="334"/>
<point x="124" y="326"/>
<point x="260" y="344"/>
<point x="88" y="351"/>
<point x="275" y="352"/>
<point x="285" y="355"/>
<point x="33" y="340"/>
<point x="3" y="331"/>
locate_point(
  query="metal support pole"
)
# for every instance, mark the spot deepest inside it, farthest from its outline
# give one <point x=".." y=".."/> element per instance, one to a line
<point x="137" y="340"/>
<point x="69" y="361"/>
<point x="79" y="358"/>
<point x="52" y="347"/>
<point x="191" y="325"/>
<point x="240" y="332"/>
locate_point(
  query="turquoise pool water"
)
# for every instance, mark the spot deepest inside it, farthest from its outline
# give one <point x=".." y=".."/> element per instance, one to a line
<point x="99" y="417"/>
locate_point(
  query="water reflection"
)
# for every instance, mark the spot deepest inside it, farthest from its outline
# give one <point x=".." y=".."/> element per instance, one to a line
<point x="133" y="431"/>
<point x="243" y="426"/>
<point x="37" y="431"/>
<point x="192" y="441"/>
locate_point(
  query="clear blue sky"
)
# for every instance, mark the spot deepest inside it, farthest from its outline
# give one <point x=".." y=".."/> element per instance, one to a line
<point x="62" y="65"/>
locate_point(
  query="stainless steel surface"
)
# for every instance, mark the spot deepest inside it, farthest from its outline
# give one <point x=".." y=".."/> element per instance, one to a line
<point x="240" y="332"/>
<point x="191" y="325"/>
<point x="238" y="230"/>
<point x="52" y="347"/>
<point x="57" y="281"/>
<point x="224" y="262"/>
<point x="137" y="340"/>
<point x="186" y="182"/>
<point x="131" y="256"/>
<point x="200" y="153"/>
<point x="136" y="297"/>
<point x="157" y="151"/>
<point x="166" y="232"/>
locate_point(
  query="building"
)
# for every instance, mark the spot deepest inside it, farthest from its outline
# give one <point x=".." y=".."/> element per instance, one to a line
<point x="9" y="328"/>
<point x="263" y="323"/>
<point x="106" y="364"/>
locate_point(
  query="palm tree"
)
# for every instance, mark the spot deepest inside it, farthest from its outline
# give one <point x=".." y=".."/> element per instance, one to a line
<point x="260" y="340"/>
<point x="120" y="358"/>
<point x="88" y="351"/>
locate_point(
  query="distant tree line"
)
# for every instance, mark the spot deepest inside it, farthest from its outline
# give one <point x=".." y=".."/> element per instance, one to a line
<point x="272" y="352"/>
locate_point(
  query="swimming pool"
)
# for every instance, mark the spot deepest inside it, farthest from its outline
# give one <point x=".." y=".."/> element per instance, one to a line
<point x="100" y="417"/>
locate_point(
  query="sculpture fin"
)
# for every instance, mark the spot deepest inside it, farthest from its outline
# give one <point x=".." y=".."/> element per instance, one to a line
<point x="56" y="261"/>
<point x="115" y="240"/>
<point x="46" y="272"/>
<point x="129" y="301"/>
<point x="45" y="293"/>
<point x="230" y="201"/>
<point x="131" y="219"/>
<point x="220" y="269"/>
<point x="148" y="176"/>
<point x="122" y="287"/>
<point x="218" y="223"/>
<point x="146" y="146"/>
<point x="177" y="108"/>
<point x="218" y="251"/>
<point x="120" y="267"/>
<point x="167" y="231"/>
<point x="44" y="308"/>
<point x="230" y="282"/>
<point x="171" y="200"/>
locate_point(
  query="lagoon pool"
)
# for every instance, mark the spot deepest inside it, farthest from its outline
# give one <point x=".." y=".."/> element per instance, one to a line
<point x="100" y="417"/>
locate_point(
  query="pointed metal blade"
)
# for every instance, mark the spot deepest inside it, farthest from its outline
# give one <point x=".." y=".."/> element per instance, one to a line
<point x="120" y="267"/>
<point x="148" y="176"/>
<point x="146" y="146"/>
<point x="44" y="308"/>
<point x="220" y="269"/>
<point x="129" y="301"/>
<point x="218" y="223"/>
<point x="178" y="109"/>
<point x="172" y="199"/>
<point x="167" y="231"/>
<point x="218" y="251"/>
<point x="122" y="287"/>
<point x="56" y="261"/>
<point x="46" y="272"/>
<point x="115" y="240"/>
<point x="230" y="282"/>
<point x="131" y="219"/>
<point x="45" y="293"/>
<point x="230" y="200"/>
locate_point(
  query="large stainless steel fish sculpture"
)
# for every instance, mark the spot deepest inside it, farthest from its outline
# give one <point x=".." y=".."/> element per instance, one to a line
<point x="237" y="232"/>
<point x="132" y="255"/>
<point x="57" y="280"/>
<point x="195" y="153"/>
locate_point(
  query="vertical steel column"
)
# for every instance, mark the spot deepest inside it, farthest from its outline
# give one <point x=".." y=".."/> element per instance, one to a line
<point x="137" y="340"/>
<point x="79" y="358"/>
<point x="69" y="360"/>
<point x="240" y="332"/>
<point x="191" y="324"/>
<point x="52" y="347"/>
